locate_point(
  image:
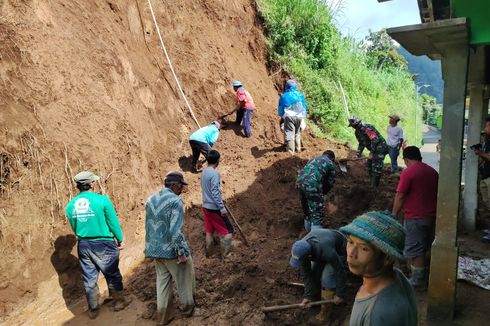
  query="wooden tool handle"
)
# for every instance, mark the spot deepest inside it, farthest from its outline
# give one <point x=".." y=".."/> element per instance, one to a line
<point x="296" y="305"/>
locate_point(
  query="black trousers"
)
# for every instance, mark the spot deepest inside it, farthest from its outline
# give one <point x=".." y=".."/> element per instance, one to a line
<point x="198" y="148"/>
<point x="239" y="116"/>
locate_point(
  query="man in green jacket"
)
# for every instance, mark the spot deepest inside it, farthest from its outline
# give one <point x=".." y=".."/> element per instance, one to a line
<point x="94" y="221"/>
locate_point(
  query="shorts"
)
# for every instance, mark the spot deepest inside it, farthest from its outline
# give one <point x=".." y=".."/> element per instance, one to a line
<point x="419" y="235"/>
<point x="215" y="223"/>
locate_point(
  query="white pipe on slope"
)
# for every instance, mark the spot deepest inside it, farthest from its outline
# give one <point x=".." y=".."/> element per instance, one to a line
<point x="170" y="63"/>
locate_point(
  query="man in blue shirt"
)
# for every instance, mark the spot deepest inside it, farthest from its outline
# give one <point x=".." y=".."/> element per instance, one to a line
<point x="166" y="244"/>
<point x="292" y="110"/>
<point x="202" y="140"/>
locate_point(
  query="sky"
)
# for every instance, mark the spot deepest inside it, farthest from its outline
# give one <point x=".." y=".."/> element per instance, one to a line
<point x="358" y="16"/>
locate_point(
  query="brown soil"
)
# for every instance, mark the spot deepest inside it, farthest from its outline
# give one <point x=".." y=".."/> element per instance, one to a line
<point x="84" y="86"/>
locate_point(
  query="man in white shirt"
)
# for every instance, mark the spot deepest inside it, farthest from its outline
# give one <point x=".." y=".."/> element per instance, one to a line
<point x="394" y="141"/>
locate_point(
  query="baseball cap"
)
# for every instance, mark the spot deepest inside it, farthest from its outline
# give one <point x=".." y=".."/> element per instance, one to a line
<point x="301" y="248"/>
<point x="236" y="83"/>
<point x="394" y="117"/>
<point x="175" y="177"/>
<point x="85" y="178"/>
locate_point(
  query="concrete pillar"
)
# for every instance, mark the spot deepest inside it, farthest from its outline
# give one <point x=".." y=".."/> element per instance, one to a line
<point x="470" y="199"/>
<point x="444" y="262"/>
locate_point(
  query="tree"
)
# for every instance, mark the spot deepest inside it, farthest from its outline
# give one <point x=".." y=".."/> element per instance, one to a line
<point x="430" y="110"/>
<point x="382" y="52"/>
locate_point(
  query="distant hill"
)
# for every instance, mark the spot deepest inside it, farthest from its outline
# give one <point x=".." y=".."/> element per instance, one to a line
<point x="428" y="72"/>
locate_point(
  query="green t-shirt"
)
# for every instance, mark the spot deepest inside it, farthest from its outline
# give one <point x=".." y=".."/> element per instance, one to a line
<point x="394" y="305"/>
<point x="92" y="216"/>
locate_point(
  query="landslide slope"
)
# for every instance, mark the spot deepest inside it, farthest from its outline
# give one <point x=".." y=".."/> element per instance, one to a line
<point x="84" y="85"/>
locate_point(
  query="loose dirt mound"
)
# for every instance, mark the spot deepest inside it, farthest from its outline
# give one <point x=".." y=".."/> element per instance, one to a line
<point x="85" y="87"/>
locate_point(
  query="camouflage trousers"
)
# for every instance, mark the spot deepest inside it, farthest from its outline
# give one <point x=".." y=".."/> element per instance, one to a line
<point x="313" y="207"/>
<point x="376" y="164"/>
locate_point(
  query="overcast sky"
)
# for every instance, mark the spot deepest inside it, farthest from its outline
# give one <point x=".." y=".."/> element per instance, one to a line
<point x="358" y="16"/>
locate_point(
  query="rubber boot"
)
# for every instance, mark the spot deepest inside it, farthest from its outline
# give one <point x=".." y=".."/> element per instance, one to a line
<point x="194" y="168"/>
<point x="418" y="277"/>
<point x="375" y="180"/>
<point x="207" y="249"/>
<point x="290" y="146"/>
<point x="120" y="300"/>
<point x="93" y="313"/>
<point x="225" y="247"/>
<point x="297" y="142"/>
<point x="325" y="308"/>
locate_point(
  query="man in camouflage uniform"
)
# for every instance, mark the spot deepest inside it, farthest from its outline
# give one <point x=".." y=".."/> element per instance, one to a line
<point x="313" y="182"/>
<point x="370" y="138"/>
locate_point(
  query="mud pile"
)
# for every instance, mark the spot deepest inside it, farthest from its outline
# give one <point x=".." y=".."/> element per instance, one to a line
<point x="84" y="86"/>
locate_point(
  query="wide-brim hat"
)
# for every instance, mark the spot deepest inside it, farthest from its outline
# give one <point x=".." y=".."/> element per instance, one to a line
<point x="380" y="230"/>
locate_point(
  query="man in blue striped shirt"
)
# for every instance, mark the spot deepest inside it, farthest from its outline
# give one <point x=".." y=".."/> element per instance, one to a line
<point x="166" y="244"/>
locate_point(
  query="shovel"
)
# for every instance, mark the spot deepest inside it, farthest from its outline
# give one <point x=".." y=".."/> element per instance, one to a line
<point x="238" y="226"/>
<point x="343" y="162"/>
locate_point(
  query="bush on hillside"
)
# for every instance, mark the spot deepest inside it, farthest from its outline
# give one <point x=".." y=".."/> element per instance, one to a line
<point x="303" y="39"/>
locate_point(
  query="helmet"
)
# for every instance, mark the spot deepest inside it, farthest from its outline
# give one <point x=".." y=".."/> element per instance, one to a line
<point x="354" y="121"/>
<point x="236" y="83"/>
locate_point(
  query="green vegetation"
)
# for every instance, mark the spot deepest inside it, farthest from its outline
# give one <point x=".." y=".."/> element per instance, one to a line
<point x="431" y="111"/>
<point x="303" y="39"/>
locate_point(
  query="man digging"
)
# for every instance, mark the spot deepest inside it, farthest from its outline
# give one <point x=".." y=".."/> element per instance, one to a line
<point x="320" y="256"/>
<point x="314" y="181"/>
<point x="368" y="137"/>
<point x="215" y="214"/>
